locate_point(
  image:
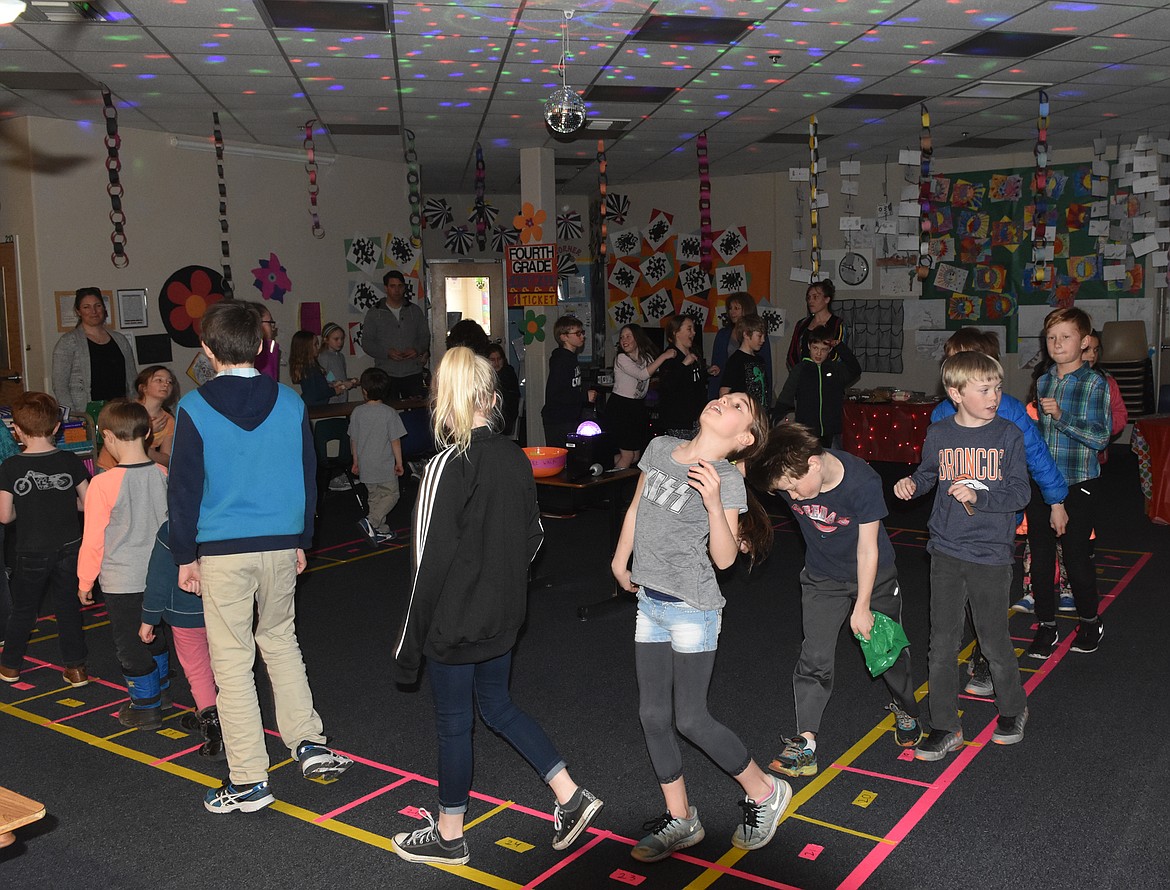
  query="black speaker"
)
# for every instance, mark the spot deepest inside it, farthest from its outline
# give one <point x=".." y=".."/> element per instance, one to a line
<point x="585" y="452"/>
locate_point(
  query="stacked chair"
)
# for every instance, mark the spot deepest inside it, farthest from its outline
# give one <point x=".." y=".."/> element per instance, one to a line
<point x="1125" y="353"/>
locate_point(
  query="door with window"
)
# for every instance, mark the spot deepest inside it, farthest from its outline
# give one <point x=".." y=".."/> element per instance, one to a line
<point x="459" y="290"/>
<point x="11" y="345"/>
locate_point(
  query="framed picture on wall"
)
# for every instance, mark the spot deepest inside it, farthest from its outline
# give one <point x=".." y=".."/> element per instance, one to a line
<point x="67" y="318"/>
<point x="132" y="308"/>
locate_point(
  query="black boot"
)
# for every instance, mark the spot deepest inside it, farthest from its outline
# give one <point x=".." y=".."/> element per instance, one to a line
<point x="212" y="747"/>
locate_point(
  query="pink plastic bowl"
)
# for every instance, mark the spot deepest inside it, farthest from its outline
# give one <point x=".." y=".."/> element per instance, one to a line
<point x="546" y="461"/>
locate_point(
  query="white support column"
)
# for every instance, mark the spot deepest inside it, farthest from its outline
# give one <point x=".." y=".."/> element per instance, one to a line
<point x="538" y="188"/>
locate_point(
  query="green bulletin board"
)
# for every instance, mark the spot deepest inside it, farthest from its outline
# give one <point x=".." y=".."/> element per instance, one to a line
<point x="981" y="242"/>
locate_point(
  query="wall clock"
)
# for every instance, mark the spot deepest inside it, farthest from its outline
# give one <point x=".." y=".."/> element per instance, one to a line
<point x="853" y="268"/>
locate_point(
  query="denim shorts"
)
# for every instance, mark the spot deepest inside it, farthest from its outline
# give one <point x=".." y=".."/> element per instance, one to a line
<point x="687" y="629"/>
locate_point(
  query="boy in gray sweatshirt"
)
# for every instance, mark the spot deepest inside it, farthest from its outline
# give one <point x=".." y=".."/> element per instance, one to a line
<point x="977" y="459"/>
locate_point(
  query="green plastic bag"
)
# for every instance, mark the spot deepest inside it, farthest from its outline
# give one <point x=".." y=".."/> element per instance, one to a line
<point x="886" y="642"/>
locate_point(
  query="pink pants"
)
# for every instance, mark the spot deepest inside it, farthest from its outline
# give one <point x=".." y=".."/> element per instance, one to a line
<point x="191" y="647"/>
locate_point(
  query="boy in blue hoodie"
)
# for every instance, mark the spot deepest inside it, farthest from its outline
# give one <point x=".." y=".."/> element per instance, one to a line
<point x="240" y="546"/>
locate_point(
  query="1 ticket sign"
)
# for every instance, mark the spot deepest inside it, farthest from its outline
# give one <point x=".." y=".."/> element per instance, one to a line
<point x="531" y="272"/>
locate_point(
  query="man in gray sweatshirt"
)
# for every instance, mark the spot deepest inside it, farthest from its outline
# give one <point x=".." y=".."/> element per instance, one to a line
<point x="396" y="336"/>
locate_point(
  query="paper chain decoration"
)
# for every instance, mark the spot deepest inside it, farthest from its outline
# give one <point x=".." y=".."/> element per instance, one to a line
<point x="413" y="180"/>
<point x="224" y="246"/>
<point x="704" y="203"/>
<point x="925" y="150"/>
<point x="1043" y="272"/>
<point x="481" y="220"/>
<point x="311" y="169"/>
<point x="814" y="165"/>
<point x="601" y="187"/>
<point x="114" y="188"/>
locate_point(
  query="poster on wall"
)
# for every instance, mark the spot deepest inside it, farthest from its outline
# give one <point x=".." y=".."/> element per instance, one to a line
<point x="985" y="221"/>
<point x="530" y="273"/>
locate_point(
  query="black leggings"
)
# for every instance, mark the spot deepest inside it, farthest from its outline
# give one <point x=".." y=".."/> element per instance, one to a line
<point x="684" y="678"/>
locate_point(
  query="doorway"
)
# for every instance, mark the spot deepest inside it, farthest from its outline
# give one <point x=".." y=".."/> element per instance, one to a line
<point x="459" y="290"/>
<point x="11" y="345"/>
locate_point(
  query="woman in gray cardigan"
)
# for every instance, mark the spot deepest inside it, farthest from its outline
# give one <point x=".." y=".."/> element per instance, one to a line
<point x="91" y="363"/>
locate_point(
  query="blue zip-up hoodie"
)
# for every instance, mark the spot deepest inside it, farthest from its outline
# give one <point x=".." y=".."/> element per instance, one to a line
<point x="243" y="470"/>
<point x="1041" y="467"/>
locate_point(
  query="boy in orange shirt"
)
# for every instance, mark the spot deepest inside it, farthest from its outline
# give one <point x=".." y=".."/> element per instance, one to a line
<point x="123" y="512"/>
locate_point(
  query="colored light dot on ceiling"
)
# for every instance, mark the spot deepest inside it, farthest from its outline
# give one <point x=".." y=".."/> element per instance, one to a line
<point x="337" y="86"/>
<point x="118" y="65"/>
<point x="249" y="92"/>
<point x="210" y="45"/>
<point x="146" y="76"/>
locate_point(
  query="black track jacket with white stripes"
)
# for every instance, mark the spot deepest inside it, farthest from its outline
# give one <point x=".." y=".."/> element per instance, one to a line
<point x="476" y="529"/>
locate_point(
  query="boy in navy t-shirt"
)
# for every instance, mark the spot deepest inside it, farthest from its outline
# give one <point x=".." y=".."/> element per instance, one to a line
<point x="849" y="573"/>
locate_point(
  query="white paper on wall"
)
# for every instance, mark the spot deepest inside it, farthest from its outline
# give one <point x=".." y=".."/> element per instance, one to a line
<point x="804" y="276"/>
<point x="853" y="223"/>
<point x="1099" y="228"/>
<point x="1144" y="246"/>
<point x="850" y="168"/>
<point x="1137" y="309"/>
<point x="1100" y="168"/>
<point x="1113" y="272"/>
<point x="849" y="186"/>
<point x="922" y="315"/>
<point x="899" y="281"/>
<point x="1100" y="311"/>
<point x="909" y="158"/>
<point x="931" y="344"/>
<point x="798" y="174"/>
<point x="1113" y="251"/>
<point x="1145" y="164"/>
<point x="1100" y="188"/>
<point x="1144" y="224"/>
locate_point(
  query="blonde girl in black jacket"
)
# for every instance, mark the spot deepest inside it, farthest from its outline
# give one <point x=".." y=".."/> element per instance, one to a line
<point x="476" y="529"/>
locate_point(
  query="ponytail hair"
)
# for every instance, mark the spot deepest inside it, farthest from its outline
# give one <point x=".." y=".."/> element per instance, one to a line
<point x="755" y="534"/>
<point x="465" y="385"/>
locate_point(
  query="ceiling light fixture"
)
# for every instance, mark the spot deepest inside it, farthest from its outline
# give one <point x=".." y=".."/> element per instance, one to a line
<point x="9" y="10"/>
<point x="564" y="110"/>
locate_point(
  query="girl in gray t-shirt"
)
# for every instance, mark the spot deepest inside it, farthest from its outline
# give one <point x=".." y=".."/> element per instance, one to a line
<point x="683" y="524"/>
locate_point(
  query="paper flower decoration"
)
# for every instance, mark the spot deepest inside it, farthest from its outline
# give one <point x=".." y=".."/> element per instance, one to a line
<point x="485" y="211"/>
<point x="272" y="279"/>
<point x="459" y="240"/>
<point x="566" y="265"/>
<point x="529" y="221"/>
<point x="437" y="213"/>
<point x="533" y="327"/>
<point x="504" y="237"/>
<point x="184" y="298"/>
<point x="617" y="207"/>
<point x="569" y="224"/>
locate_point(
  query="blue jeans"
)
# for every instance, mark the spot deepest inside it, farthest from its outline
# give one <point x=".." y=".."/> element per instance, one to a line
<point x="453" y="686"/>
<point x="687" y="629"/>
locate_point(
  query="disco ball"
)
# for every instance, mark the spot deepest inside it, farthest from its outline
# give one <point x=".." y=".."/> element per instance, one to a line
<point x="564" y="111"/>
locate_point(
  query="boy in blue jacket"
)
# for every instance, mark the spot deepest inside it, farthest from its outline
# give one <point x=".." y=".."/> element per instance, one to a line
<point x="1041" y="467"/>
<point x="240" y="546"/>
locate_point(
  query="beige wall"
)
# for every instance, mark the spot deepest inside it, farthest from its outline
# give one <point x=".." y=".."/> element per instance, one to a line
<point x="60" y="214"/>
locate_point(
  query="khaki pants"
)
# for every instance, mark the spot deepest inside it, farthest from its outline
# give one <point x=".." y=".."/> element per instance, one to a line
<point x="383" y="497"/>
<point x="241" y="590"/>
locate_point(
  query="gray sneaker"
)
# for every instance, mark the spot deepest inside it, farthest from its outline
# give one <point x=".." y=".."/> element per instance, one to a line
<point x="980" y="682"/>
<point x="667" y="835"/>
<point x="1009" y="730"/>
<point x="760" y="819"/>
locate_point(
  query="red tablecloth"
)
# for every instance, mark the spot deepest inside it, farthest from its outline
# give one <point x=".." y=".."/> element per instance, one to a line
<point x="892" y="431"/>
<point x="1151" y="442"/>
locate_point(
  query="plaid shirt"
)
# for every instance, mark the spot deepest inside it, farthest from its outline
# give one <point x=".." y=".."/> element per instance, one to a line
<point x="1083" y="428"/>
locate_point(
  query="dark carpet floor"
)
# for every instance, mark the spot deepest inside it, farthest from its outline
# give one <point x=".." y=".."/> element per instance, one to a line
<point x="1081" y="802"/>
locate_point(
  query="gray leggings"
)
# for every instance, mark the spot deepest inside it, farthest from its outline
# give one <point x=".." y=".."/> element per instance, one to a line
<point x="684" y="678"/>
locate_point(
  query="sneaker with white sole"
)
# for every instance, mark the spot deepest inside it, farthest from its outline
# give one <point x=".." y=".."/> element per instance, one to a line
<point x="797" y="758"/>
<point x="1025" y="604"/>
<point x="761" y="818"/>
<point x="667" y="835"/>
<point x="907" y="729"/>
<point x="247" y="799"/>
<point x="368" y="529"/>
<point x="1009" y="730"/>
<point x="1067" y="603"/>
<point x="319" y="762"/>
<point x="568" y="824"/>
<point x="427" y="845"/>
<point x="939" y="744"/>
<point x="1044" y="643"/>
<point x="980" y="682"/>
<point x="1087" y="636"/>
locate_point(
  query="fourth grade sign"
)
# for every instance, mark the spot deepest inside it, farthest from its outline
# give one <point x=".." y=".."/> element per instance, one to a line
<point x="531" y="274"/>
